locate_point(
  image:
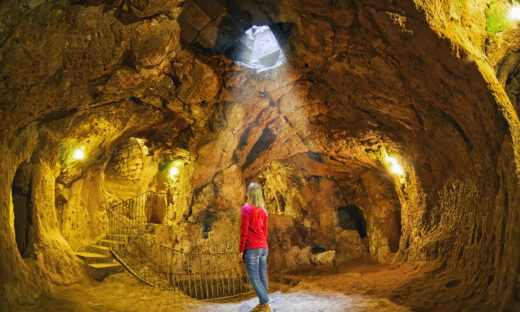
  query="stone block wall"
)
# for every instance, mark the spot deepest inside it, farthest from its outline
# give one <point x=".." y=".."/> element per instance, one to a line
<point x="127" y="160"/>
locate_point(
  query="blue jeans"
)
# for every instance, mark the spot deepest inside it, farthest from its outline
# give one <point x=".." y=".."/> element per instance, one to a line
<point x="256" y="267"/>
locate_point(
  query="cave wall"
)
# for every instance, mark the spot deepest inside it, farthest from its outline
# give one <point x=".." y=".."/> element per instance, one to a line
<point x="363" y="77"/>
<point x="80" y="209"/>
<point x="302" y="198"/>
<point x="51" y="260"/>
<point x="132" y="170"/>
<point x="127" y="160"/>
<point x="421" y="119"/>
<point x="383" y="212"/>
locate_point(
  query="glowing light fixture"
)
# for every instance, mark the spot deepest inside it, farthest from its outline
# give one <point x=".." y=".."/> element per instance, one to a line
<point x="514" y="13"/>
<point x="394" y="165"/>
<point x="79" y="154"/>
<point x="174" y="171"/>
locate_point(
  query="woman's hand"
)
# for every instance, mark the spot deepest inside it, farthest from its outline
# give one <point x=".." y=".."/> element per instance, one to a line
<point x="241" y="257"/>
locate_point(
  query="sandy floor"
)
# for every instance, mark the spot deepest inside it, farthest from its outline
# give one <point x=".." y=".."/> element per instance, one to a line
<point x="355" y="286"/>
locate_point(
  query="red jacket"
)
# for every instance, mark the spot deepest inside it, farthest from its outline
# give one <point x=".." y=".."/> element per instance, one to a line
<point x="253" y="228"/>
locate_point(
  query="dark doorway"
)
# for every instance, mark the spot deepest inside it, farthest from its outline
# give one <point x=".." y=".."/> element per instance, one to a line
<point x="351" y="218"/>
<point x="22" y="207"/>
<point x="394" y="231"/>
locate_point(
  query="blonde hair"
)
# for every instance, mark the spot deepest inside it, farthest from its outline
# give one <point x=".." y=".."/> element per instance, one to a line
<point x="255" y="195"/>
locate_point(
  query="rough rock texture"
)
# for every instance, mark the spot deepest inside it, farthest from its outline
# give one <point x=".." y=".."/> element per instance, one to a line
<point x="364" y="80"/>
<point x="126" y="160"/>
<point x="350" y="246"/>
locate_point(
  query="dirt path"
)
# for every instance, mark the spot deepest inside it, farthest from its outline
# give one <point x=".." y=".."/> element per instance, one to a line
<point x="356" y="286"/>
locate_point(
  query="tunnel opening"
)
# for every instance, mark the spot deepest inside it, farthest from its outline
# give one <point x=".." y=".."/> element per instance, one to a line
<point x="209" y="219"/>
<point x="142" y="178"/>
<point x="257" y="49"/>
<point x="394" y="231"/>
<point x="351" y="218"/>
<point x="22" y="210"/>
<point x="280" y="203"/>
<point x="243" y="32"/>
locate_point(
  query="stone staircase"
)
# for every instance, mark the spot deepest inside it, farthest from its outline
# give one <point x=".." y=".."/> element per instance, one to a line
<point x="99" y="260"/>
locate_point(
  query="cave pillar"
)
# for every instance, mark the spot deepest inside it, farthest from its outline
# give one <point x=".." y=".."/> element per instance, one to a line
<point x="54" y="256"/>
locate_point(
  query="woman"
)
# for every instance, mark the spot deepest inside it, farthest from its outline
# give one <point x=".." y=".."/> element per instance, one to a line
<point x="253" y="244"/>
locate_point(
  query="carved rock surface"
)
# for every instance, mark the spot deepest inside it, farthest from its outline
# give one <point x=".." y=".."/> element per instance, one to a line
<point x="364" y="81"/>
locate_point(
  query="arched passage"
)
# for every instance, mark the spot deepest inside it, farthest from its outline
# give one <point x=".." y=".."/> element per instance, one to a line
<point x="382" y="209"/>
<point x="22" y="208"/>
<point x="351" y="218"/>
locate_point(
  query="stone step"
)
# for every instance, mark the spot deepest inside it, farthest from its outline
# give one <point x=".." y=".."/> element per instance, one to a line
<point x="102" y="250"/>
<point x="109" y="243"/>
<point x="138" y="226"/>
<point x="128" y="231"/>
<point x="99" y="271"/>
<point x="90" y="257"/>
<point x="123" y="238"/>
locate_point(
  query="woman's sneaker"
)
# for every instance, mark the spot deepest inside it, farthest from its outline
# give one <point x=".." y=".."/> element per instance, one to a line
<point x="262" y="308"/>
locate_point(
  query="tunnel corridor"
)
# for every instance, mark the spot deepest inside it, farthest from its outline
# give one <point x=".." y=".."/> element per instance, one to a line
<point x="384" y="135"/>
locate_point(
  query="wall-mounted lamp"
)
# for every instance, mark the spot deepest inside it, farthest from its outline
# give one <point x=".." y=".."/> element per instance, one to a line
<point x="79" y="153"/>
<point x="514" y="13"/>
<point x="174" y="171"/>
<point x="394" y="165"/>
